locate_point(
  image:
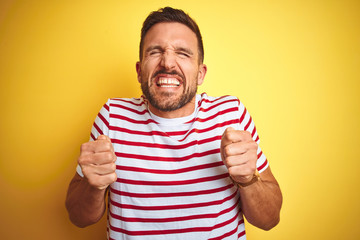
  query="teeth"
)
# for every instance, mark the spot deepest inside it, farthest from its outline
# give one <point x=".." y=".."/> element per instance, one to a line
<point x="170" y="82"/>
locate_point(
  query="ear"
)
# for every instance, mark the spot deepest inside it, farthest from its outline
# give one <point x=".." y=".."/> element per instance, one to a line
<point x="201" y="74"/>
<point x="138" y="71"/>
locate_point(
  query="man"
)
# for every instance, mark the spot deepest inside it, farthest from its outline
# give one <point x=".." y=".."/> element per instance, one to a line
<point x="176" y="165"/>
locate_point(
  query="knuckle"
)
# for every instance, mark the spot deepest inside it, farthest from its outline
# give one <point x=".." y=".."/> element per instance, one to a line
<point x="227" y="134"/>
<point x="108" y="146"/>
<point x="232" y="171"/>
<point x="114" y="177"/>
<point x="254" y="145"/>
<point x="246" y="134"/>
<point x="227" y="130"/>
<point x="86" y="171"/>
<point x="251" y="169"/>
<point x="230" y="134"/>
<point x="109" y="156"/>
<point x="82" y="160"/>
<point x="228" y="162"/>
<point x="113" y="167"/>
<point x="227" y="150"/>
<point x="83" y="147"/>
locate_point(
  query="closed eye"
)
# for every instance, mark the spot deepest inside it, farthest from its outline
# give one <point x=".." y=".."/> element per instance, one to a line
<point x="154" y="52"/>
<point x="183" y="54"/>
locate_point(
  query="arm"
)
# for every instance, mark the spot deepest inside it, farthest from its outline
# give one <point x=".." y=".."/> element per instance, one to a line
<point x="261" y="200"/>
<point x="85" y="200"/>
<point x="84" y="203"/>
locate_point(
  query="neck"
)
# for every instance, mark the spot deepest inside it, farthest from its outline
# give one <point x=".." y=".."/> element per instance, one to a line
<point x="184" y="111"/>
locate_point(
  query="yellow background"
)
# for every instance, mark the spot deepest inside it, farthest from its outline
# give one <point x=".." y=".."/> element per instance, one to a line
<point x="294" y="64"/>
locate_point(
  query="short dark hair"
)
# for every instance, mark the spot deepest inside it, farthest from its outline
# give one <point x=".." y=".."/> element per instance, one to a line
<point x="169" y="14"/>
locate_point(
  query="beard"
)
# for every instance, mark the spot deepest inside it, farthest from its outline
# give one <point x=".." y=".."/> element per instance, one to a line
<point x="167" y="102"/>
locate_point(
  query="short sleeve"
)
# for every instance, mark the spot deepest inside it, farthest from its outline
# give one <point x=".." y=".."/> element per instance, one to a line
<point x="247" y="124"/>
<point x="99" y="127"/>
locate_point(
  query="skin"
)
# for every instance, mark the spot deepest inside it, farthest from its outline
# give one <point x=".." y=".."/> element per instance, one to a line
<point x="171" y="47"/>
<point x="85" y="200"/>
<point x="171" y="53"/>
<point x="261" y="201"/>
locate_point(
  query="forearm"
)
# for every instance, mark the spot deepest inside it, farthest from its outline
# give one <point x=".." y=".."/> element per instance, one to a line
<point x="261" y="203"/>
<point x="84" y="203"/>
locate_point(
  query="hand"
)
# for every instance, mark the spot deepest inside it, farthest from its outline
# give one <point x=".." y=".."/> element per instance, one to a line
<point x="97" y="162"/>
<point x="239" y="154"/>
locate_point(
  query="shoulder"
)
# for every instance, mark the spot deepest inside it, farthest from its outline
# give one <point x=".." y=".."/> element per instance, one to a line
<point x="127" y="104"/>
<point x="205" y="101"/>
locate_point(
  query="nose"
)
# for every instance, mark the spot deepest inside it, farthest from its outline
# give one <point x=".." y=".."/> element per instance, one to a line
<point x="168" y="60"/>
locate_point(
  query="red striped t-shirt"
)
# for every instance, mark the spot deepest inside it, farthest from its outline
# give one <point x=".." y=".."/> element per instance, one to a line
<point x="172" y="183"/>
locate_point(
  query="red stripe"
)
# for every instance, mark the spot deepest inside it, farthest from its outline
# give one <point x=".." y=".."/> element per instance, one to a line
<point x="253" y="132"/>
<point x="243" y="115"/>
<point x="211" y="128"/>
<point x="172" y="207"/>
<point x="248" y="124"/>
<point x="204" y="99"/>
<point x="234" y="109"/>
<point x="175" y="219"/>
<point x="103" y="119"/>
<point x="98" y="129"/>
<point x="129" y="101"/>
<point x="172" y="171"/>
<point x="159" y="133"/>
<point x="179" y="133"/>
<point x="216" y="105"/>
<point x="92" y="136"/>
<point x="165" y="146"/>
<point x="106" y="107"/>
<point x="121" y="117"/>
<point x="129" y="109"/>
<point x="125" y="130"/>
<point x="172" y="183"/>
<point x="172" y="194"/>
<point x="173" y="231"/>
<point x="231" y="232"/>
<point x="262" y="166"/>
<point x="241" y="233"/>
<point x="167" y="159"/>
<point x="228" y="234"/>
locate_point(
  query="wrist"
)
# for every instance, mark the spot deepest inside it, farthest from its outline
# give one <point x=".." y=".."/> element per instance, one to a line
<point x="255" y="178"/>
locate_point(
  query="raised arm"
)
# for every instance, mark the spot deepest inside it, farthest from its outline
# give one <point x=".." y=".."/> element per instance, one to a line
<point x="261" y="198"/>
<point x="85" y="200"/>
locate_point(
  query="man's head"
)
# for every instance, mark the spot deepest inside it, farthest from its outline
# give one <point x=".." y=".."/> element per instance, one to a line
<point x="169" y="14"/>
<point x="170" y="66"/>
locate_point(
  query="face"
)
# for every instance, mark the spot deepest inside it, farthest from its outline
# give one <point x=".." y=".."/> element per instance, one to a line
<point x="170" y="71"/>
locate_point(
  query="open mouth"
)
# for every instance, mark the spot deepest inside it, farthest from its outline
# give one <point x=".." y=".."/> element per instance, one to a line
<point x="167" y="82"/>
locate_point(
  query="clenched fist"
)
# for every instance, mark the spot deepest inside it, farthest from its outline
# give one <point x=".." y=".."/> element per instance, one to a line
<point x="239" y="154"/>
<point x="97" y="162"/>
